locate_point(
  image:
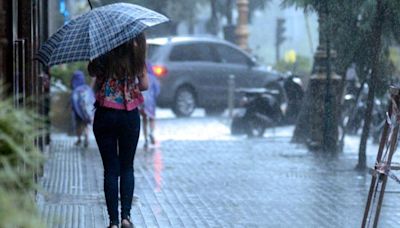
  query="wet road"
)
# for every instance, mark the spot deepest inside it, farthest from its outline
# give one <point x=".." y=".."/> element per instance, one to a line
<point x="200" y="176"/>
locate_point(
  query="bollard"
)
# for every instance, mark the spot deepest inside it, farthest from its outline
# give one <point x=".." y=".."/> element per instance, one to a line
<point x="231" y="94"/>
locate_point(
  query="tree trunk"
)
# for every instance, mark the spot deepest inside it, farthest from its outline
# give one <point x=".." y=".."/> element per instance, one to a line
<point x="213" y="24"/>
<point x="302" y="130"/>
<point x="318" y="121"/>
<point x="376" y="35"/>
<point x="229" y="7"/>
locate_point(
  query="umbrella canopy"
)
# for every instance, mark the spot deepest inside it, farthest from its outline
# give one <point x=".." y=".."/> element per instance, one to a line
<point x="97" y="32"/>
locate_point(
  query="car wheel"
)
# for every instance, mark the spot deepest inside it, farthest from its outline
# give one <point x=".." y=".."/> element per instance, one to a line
<point x="214" y="111"/>
<point x="185" y="102"/>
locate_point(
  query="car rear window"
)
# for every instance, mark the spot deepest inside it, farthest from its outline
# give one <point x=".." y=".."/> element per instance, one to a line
<point x="192" y="52"/>
<point x="151" y="50"/>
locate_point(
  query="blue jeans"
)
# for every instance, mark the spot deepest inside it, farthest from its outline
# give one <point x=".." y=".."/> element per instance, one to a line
<point x="117" y="134"/>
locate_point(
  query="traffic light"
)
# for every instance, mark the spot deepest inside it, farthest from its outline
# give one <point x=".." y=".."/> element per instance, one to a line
<point x="280" y="30"/>
<point x="280" y="38"/>
<point x="290" y="56"/>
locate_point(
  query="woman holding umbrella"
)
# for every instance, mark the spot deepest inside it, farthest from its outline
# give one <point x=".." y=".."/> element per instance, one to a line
<point x="111" y="38"/>
<point x="120" y="78"/>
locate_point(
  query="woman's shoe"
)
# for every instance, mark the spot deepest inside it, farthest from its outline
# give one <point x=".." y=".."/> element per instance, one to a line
<point x="126" y="223"/>
<point x="78" y="142"/>
<point x="113" y="225"/>
<point x="86" y="144"/>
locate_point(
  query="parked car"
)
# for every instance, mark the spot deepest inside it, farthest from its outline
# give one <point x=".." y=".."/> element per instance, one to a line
<point x="194" y="72"/>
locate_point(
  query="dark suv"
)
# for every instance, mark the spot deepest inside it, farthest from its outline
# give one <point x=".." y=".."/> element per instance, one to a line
<point x="194" y="72"/>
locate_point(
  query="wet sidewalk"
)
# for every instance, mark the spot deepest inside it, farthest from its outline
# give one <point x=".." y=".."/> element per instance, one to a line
<point x="215" y="180"/>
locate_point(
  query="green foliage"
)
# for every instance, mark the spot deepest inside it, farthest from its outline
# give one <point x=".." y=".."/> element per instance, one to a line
<point x="176" y="10"/>
<point x="386" y="74"/>
<point x="310" y="5"/>
<point x="394" y="56"/>
<point x="185" y="10"/>
<point x="18" y="210"/>
<point x="19" y="160"/>
<point x="302" y="66"/>
<point x="348" y="25"/>
<point x="64" y="72"/>
<point x="390" y="32"/>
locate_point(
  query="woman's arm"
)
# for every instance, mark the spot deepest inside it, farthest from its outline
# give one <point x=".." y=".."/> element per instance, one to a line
<point x="143" y="81"/>
<point x="92" y="69"/>
<point x="96" y="67"/>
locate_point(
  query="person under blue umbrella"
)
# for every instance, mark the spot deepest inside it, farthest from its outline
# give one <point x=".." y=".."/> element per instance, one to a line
<point x="111" y="38"/>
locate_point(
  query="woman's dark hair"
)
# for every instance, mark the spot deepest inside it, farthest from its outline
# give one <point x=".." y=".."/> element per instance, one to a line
<point x="127" y="60"/>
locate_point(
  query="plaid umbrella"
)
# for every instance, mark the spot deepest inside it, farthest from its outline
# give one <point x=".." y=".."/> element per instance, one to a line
<point x="97" y="32"/>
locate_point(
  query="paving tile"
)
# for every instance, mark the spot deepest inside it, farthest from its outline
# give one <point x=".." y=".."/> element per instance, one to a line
<point x="215" y="182"/>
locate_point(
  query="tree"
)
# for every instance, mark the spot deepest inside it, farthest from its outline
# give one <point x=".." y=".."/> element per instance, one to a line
<point x="176" y="10"/>
<point x="224" y="8"/>
<point x="213" y="24"/>
<point x="317" y="124"/>
<point x="343" y="23"/>
<point x="363" y="32"/>
<point x="384" y="28"/>
<point x="185" y="10"/>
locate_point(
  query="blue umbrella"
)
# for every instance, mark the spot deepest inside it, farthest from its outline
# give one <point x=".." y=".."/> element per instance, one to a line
<point x="97" y="32"/>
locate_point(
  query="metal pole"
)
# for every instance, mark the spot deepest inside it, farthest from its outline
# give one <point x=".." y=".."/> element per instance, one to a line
<point x="277" y="51"/>
<point x="231" y="94"/>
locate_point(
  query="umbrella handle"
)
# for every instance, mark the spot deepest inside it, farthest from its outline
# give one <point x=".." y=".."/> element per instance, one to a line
<point x="90" y="4"/>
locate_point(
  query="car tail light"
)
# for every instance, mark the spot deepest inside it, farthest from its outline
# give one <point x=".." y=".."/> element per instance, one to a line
<point x="159" y="71"/>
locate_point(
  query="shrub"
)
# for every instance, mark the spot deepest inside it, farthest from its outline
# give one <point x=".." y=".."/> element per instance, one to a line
<point x="64" y="72"/>
<point x="19" y="160"/>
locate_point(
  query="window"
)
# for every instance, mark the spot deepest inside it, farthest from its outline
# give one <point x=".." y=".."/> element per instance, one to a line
<point x="192" y="52"/>
<point x="231" y="55"/>
<point x="152" y="49"/>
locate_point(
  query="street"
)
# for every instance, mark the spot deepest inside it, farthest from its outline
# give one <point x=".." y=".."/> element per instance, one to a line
<point x="198" y="175"/>
<point x="328" y="66"/>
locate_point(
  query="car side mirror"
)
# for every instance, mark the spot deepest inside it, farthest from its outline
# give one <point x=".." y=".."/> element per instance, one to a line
<point x="252" y="62"/>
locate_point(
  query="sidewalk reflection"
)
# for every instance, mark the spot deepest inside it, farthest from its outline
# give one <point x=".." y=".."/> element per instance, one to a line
<point x="154" y="159"/>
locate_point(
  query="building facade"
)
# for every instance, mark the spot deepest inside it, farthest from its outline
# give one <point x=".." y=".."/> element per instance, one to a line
<point x="23" y="26"/>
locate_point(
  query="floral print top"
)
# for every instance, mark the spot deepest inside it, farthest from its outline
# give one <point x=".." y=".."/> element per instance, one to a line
<point x="122" y="94"/>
